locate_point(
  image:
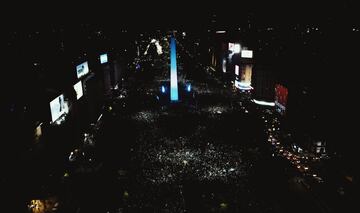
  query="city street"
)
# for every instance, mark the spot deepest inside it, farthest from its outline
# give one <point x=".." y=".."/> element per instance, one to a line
<point x="211" y="156"/>
<point x="231" y="112"/>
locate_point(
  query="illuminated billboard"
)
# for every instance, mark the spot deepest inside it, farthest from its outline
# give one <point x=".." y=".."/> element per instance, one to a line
<point x="103" y="58"/>
<point x="245" y="76"/>
<point x="58" y="107"/>
<point x="237" y="69"/>
<point x="281" y="95"/>
<point x="79" y="90"/>
<point x="82" y="69"/>
<point x="246" y="53"/>
<point x="237" y="48"/>
<point x="234" y="47"/>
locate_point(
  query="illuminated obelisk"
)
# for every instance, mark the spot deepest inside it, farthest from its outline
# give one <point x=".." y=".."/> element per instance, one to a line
<point x="174" y="96"/>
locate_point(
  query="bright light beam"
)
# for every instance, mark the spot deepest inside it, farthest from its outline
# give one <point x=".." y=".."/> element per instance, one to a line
<point x="264" y="103"/>
<point x="173" y="72"/>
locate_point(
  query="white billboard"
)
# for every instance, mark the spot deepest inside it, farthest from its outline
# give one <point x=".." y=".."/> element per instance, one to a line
<point x="237" y="48"/>
<point x="246" y="53"/>
<point x="237" y="69"/>
<point x="82" y="69"/>
<point x="103" y="58"/>
<point x="79" y="90"/>
<point x="58" y="107"/>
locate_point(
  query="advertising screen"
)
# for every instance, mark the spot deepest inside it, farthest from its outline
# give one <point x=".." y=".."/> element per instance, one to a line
<point x="281" y="95"/>
<point x="237" y="69"/>
<point x="82" y="69"/>
<point x="79" y="90"/>
<point x="246" y="53"/>
<point x="103" y="58"/>
<point x="237" y="48"/>
<point x="246" y="73"/>
<point x="243" y="81"/>
<point x="58" y="107"/>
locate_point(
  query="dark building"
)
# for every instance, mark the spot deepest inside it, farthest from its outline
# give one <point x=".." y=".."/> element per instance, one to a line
<point x="263" y="83"/>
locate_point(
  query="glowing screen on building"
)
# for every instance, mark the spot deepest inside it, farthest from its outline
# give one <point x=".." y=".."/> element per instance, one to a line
<point x="245" y="76"/>
<point x="79" y="90"/>
<point x="58" y="107"/>
<point x="281" y="95"/>
<point x="103" y="58"/>
<point x="237" y="69"/>
<point x="82" y="69"/>
<point x="246" y="53"/>
<point x="237" y="48"/>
